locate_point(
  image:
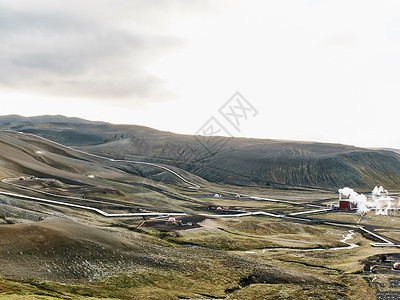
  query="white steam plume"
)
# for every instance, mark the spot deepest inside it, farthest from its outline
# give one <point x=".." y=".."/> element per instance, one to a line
<point x="383" y="203"/>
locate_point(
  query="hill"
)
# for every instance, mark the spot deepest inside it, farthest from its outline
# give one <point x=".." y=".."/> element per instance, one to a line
<point x="236" y="161"/>
<point x="44" y="119"/>
<point x="65" y="251"/>
<point x="60" y="170"/>
<point x="391" y="149"/>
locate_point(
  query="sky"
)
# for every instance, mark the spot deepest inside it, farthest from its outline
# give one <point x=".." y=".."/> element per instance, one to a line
<point x="313" y="70"/>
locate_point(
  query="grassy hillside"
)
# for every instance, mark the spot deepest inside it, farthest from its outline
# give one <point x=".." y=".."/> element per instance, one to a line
<point x="237" y="161"/>
<point x="79" y="174"/>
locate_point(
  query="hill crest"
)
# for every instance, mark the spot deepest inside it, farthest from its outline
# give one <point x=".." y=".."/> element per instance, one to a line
<point x="236" y="161"/>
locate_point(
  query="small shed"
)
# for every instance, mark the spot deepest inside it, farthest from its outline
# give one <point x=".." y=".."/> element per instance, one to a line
<point x="345" y="204"/>
<point x="171" y="220"/>
<point x="367" y="268"/>
<point x="22" y="178"/>
<point x="382" y="258"/>
<point x="396" y="266"/>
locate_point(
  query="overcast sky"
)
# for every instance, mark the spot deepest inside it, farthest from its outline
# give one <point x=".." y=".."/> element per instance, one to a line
<point x="308" y="70"/>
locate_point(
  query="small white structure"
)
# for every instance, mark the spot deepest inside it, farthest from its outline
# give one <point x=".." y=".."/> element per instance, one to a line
<point x="332" y="206"/>
<point x="172" y="220"/>
<point x="217" y="195"/>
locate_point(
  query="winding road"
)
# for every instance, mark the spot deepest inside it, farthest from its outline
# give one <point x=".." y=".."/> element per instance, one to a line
<point x="107" y="158"/>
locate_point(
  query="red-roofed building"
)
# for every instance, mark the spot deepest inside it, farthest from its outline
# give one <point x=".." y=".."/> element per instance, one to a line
<point x="345" y="204"/>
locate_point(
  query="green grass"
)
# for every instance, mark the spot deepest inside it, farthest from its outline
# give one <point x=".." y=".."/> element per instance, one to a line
<point x="226" y="242"/>
<point x="34" y="289"/>
<point x="288" y="291"/>
<point x="145" y="284"/>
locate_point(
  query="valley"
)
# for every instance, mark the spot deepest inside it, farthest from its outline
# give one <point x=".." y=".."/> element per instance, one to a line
<point x="116" y="218"/>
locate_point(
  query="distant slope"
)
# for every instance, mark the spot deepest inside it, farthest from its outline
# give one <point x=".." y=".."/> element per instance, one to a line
<point x="9" y="119"/>
<point x="239" y="161"/>
<point x="22" y="155"/>
<point x="391" y="149"/>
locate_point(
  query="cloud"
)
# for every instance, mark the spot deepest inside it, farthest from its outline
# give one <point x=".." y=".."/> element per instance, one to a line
<point x="91" y="49"/>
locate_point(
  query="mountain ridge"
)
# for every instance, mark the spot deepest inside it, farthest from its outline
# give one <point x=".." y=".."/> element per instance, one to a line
<point x="14" y="118"/>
